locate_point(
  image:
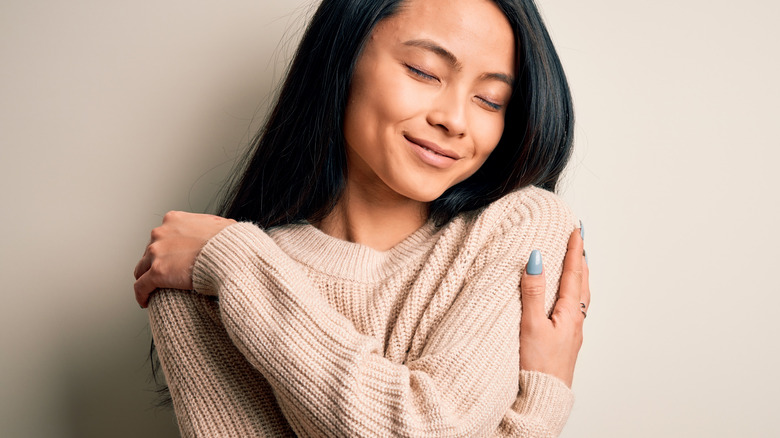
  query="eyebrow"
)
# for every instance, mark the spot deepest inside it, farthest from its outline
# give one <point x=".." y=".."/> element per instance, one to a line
<point x="509" y="80"/>
<point x="453" y="60"/>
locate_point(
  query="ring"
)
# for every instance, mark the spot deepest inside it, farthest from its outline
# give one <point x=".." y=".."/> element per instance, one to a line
<point x="582" y="309"/>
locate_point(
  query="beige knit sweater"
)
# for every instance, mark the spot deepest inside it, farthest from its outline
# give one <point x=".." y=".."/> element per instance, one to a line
<point x="317" y="336"/>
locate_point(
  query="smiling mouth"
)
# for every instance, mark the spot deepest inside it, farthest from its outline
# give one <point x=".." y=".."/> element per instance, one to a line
<point x="431" y="150"/>
<point x="430" y="147"/>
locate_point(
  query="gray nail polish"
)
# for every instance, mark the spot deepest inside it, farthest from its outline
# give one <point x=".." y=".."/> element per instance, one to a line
<point x="582" y="230"/>
<point x="534" y="266"/>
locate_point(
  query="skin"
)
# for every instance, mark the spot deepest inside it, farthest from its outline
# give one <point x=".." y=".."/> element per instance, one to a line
<point x="425" y="78"/>
<point x="551" y="345"/>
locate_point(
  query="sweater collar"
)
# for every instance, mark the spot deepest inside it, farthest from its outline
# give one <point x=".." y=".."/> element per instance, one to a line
<point x="321" y="252"/>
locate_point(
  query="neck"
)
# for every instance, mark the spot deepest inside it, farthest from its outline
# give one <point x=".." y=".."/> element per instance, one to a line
<point x="374" y="216"/>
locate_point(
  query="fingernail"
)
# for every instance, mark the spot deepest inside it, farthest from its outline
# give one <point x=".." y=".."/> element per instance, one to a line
<point x="582" y="230"/>
<point x="534" y="266"/>
<point x="584" y="253"/>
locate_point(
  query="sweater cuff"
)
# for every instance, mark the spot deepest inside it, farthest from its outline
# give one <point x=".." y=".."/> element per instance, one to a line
<point x="544" y="397"/>
<point x="225" y="253"/>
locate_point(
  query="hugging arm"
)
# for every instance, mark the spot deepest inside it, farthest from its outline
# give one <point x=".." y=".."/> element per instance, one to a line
<point x="331" y="379"/>
<point x="549" y="345"/>
<point x="314" y="399"/>
<point x="215" y="391"/>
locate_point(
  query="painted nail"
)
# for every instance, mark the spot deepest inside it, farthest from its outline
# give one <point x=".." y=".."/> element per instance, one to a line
<point x="586" y="256"/>
<point x="582" y="230"/>
<point x="534" y="266"/>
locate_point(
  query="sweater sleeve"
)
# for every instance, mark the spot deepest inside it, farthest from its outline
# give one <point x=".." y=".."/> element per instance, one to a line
<point x="215" y="391"/>
<point x="544" y="402"/>
<point x="332" y="380"/>
<point x="541" y="409"/>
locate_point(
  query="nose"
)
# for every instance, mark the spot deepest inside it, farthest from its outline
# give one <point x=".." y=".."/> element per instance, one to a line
<point x="449" y="113"/>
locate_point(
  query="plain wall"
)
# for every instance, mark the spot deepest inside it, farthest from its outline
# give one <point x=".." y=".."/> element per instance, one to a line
<point x="112" y="113"/>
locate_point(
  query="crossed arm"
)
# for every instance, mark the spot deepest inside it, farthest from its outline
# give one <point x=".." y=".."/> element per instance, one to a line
<point x="188" y="326"/>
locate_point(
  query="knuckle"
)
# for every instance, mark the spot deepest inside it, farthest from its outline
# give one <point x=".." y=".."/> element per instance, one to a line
<point x="566" y="314"/>
<point x="573" y="275"/>
<point x="157" y="233"/>
<point x="173" y="214"/>
<point x="533" y="290"/>
<point x="154" y="249"/>
<point x="158" y="269"/>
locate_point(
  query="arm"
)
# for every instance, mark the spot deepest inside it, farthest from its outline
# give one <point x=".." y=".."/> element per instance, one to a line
<point x="215" y="391"/>
<point x="333" y="380"/>
<point x="532" y="407"/>
<point x="549" y="345"/>
<point x="540" y="410"/>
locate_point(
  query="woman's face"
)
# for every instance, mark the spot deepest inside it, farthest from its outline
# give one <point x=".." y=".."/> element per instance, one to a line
<point x="428" y="96"/>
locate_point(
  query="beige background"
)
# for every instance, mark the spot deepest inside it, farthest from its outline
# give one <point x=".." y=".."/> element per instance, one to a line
<point x="113" y="112"/>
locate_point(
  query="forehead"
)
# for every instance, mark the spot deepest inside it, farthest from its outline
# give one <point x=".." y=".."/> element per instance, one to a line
<point x="476" y="31"/>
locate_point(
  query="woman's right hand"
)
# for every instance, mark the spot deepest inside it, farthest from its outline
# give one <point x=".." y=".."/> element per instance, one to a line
<point x="550" y="344"/>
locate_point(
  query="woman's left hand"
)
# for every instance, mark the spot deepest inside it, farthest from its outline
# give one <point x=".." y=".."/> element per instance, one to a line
<point x="550" y="345"/>
<point x="170" y="255"/>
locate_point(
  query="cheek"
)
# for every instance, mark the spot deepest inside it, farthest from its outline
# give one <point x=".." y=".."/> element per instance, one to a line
<point x="490" y="132"/>
<point x="486" y="140"/>
<point x="389" y="100"/>
<point x="375" y="107"/>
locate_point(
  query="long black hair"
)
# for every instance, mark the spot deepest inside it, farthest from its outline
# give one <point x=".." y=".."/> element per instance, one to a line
<point x="296" y="167"/>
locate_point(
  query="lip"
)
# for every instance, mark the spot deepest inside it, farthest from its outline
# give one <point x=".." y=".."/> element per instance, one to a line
<point x="434" y="147"/>
<point x="432" y="154"/>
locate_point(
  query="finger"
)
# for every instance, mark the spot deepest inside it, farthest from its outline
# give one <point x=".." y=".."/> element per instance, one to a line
<point x="171" y="215"/>
<point x="532" y="289"/>
<point x="571" y="280"/>
<point x="144" y="287"/>
<point x="585" y="288"/>
<point x="143" y="265"/>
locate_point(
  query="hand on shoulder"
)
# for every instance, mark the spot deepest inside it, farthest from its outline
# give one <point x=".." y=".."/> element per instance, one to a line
<point x="171" y="253"/>
<point x="551" y="345"/>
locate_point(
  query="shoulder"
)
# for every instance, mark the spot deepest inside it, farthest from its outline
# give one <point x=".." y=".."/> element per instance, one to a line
<point x="530" y="211"/>
<point x="509" y="228"/>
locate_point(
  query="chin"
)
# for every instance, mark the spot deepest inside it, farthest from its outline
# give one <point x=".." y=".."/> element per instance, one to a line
<point x="428" y="188"/>
<point x="420" y="186"/>
<point x="425" y="196"/>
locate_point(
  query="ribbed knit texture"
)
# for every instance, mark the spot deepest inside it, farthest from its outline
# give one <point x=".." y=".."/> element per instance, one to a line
<point x="317" y="336"/>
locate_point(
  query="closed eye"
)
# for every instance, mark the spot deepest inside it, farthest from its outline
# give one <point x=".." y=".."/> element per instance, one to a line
<point x="421" y="74"/>
<point x="490" y="104"/>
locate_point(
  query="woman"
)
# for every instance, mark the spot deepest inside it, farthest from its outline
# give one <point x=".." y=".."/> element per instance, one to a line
<point x="376" y="291"/>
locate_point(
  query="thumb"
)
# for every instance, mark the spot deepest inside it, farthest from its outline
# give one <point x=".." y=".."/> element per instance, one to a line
<point x="532" y="288"/>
